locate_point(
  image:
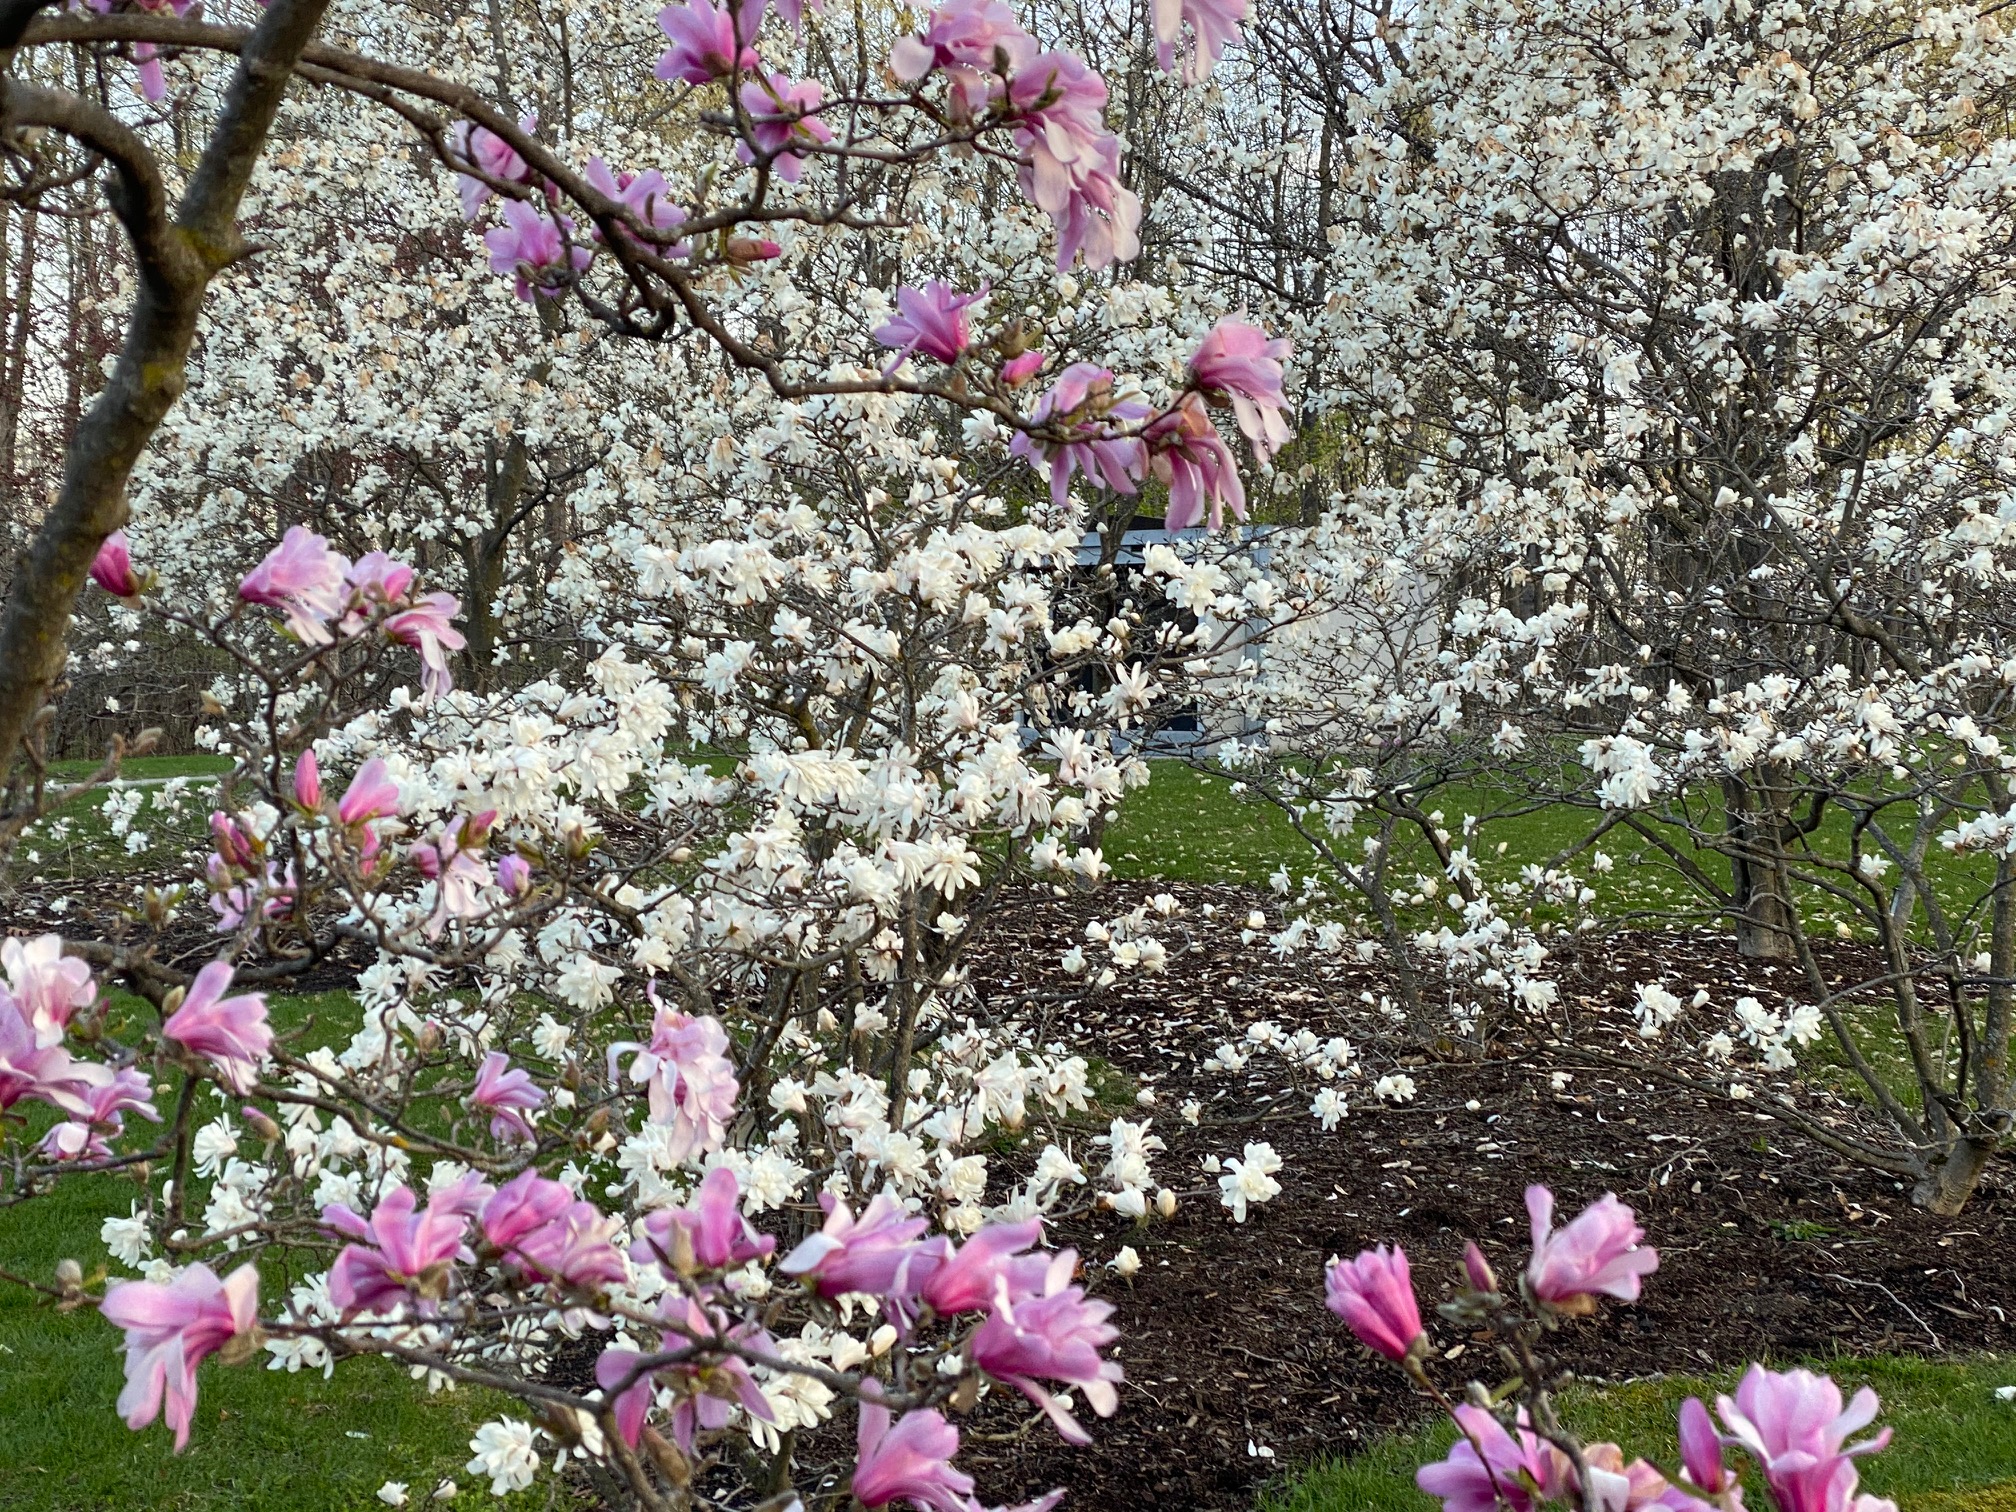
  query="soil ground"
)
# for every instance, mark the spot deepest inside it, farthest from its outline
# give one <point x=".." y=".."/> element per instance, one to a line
<point x="1771" y="1247"/>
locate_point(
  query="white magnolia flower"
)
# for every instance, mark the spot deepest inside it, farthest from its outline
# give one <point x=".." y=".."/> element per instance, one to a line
<point x="507" y="1452"/>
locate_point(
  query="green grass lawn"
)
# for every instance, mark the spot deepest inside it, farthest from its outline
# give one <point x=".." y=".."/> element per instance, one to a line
<point x="1954" y="1450"/>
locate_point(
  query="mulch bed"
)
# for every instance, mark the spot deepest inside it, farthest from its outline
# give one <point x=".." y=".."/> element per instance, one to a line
<point x="1227" y="1346"/>
<point x="1772" y="1248"/>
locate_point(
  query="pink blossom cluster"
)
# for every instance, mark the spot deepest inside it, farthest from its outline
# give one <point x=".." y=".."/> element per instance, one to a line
<point x="1081" y="427"/>
<point x="321" y="594"/>
<point x="44" y="990"/>
<point x="1792" y="1423"/>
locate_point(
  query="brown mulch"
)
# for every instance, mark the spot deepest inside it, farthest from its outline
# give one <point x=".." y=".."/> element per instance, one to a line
<point x="1772" y="1247"/>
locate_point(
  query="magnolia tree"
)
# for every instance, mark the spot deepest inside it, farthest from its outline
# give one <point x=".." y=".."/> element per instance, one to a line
<point x="1666" y="356"/>
<point x="674" y="941"/>
<point x="1513" y="1448"/>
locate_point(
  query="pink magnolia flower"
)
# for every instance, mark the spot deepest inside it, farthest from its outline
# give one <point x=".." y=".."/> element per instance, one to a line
<point x="307" y="782"/>
<point x="231" y="1033"/>
<point x="704" y="45"/>
<point x="877" y="1254"/>
<point x="374" y="584"/>
<point x="104" y="1101"/>
<point x="781" y="114"/>
<point x="627" y="1389"/>
<point x="514" y="875"/>
<point x="42" y="1073"/>
<point x="714" y="1385"/>
<point x="532" y="248"/>
<point x="688" y="1078"/>
<point x="978" y="43"/>
<point x="1477" y="1270"/>
<point x="1237" y="365"/>
<point x="112" y="568"/>
<point x="302" y="578"/>
<point x="1017" y="371"/>
<point x="402" y="1255"/>
<point x="911" y="1462"/>
<point x="1070" y="165"/>
<point x="1516" y="1475"/>
<point x="47" y="986"/>
<point x="1701" y="1452"/>
<point x="1374" y="1294"/>
<point x="1055" y="1334"/>
<point x="266" y="893"/>
<point x="1080" y="407"/>
<point x="714" y="1229"/>
<point x="645" y="196"/>
<point x="425" y="627"/>
<point x="969" y="1279"/>
<point x="931" y="320"/>
<point x="1793" y="1423"/>
<point x="371" y="795"/>
<point x="507" y="1096"/>
<point x="1621" y="1487"/>
<point x="1186" y="452"/>
<point x="1598" y="1252"/>
<point x="484" y="149"/>
<point x="170" y="1330"/>
<point x="453" y="862"/>
<point x="1213" y="23"/>
<point x="546" y="1231"/>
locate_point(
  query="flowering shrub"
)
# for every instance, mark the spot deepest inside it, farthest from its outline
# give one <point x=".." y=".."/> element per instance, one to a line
<point x="1513" y="1450"/>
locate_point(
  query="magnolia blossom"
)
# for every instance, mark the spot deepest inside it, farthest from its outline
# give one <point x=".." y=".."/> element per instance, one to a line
<point x="97" y="1107"/>
<point x="483" y="149"/>
<point x="303" y="579"/>
<point x="1793" y="1423"/>
<point x="645" y="196"/>
<point x="1186" y="452"/>
<point x="970" y="1278"/>
<point x="112" y="568"/>
<point x="532" y="248"/>
<point x="710" y="1232"/>
<point x="1374" y="1294"/>
<point x="877" y="1254"/>
<point x="506" y="1095"/>
<point x="714" y="1386"/>
<point x="931" y="320"/>
<point x="44" y="1073"/>
<point x="978" y="44"/>
<point x="1509" y="1475"/>
<point x="1054" y="1333"/>
<point x="1213" y="23"/>
<point x="571" y="1242"/>
<point x="689" y="1079"/>
<point x="307" y="782"/>
<point x="170" y="1330"/>
<point x="1071" y="162"/>
<point x="911" y="1462"/>
<point x="1598" y="1252"/>
<point x="372" y="794"/>
<point x="1237" y="365"/>
<point x="454" y="864"/>
<point x="47" y="986"/>
<point x="231" y="1033"/>
<point x="1080" y="411"/>
<point x="401" y="1255"/>
<point x="781" y="114"/>
<point x="704" y="45"/>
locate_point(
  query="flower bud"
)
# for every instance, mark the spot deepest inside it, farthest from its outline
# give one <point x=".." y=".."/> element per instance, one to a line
<point x="1478" y="1269"/>
<point x="1165" y="1203"/>
<point x="257" y="1121"/>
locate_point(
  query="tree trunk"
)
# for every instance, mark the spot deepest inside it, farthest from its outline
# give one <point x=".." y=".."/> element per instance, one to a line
<point x="1947" y="1184"/>
<point x="1763" y="914"/>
